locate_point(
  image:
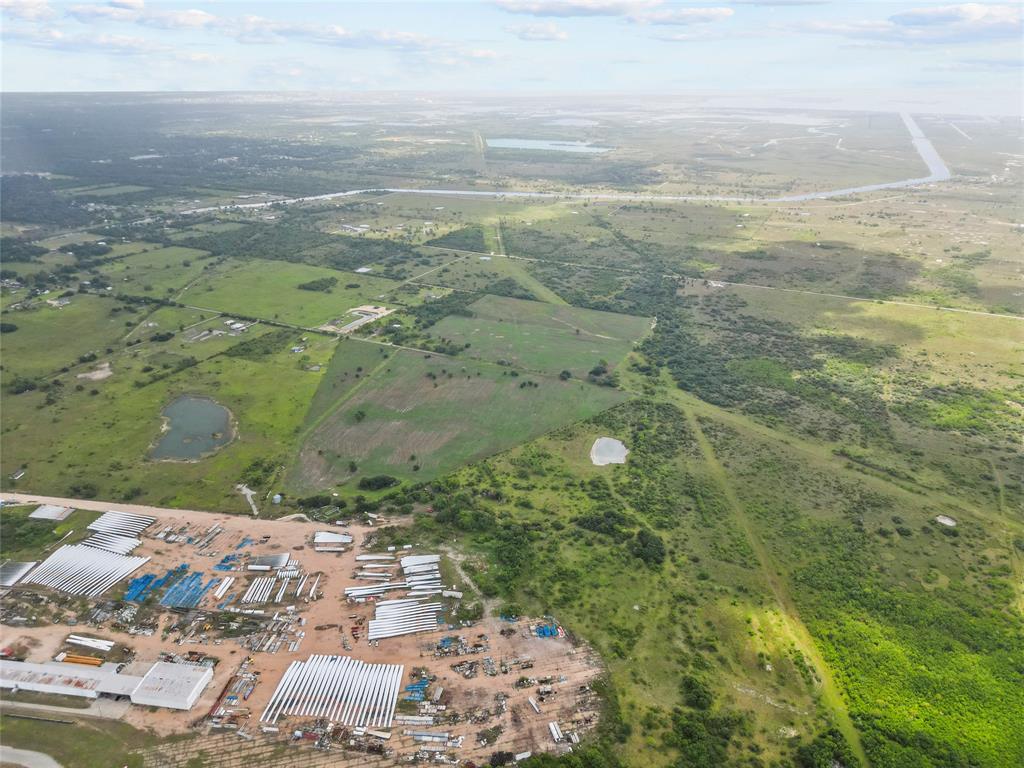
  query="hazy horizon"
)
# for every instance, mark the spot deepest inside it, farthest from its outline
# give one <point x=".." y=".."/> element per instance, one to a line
<point x="931" y="56"/>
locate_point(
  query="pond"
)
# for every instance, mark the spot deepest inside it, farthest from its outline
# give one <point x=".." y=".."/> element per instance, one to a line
<point x="550" y="145"/>
<point x="608" y="450"/>
<point x="193" y="427"/>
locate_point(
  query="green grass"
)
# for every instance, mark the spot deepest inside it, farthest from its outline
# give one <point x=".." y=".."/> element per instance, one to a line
<point x="704" y="612"/>
<point x="178" y="320"/>
<point x="443" y="412"/>
<point x="103" y="440"/>
<point x="916" y="625"/>
<point x="24" y="539"/>
<point x="49" y="338"/>
<point x="269" y="290"/>
<point x="473" y="273"/>
<point x="158" y="273"/>
<point x="45" y="263"/>
<point x="543" y="337"/>
<point x="352" y="362"/>
<point x="45" y="699"/>
<point x="87" y="743"/>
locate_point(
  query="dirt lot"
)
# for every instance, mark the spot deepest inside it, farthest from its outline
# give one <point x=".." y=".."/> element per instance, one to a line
<point x="522" y="728"/>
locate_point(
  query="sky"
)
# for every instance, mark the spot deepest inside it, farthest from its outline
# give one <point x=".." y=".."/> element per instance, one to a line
<point x="955" y="57"/>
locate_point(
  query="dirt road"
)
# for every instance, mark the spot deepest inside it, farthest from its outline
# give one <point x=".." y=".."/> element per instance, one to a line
<point x="96" y="506"/>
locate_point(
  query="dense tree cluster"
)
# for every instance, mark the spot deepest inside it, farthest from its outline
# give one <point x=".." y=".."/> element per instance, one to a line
<point x="323" y="284"/>
<point x="19" y="249"/>
<point x="469" y="238"/>
<point x="33" y="199"/>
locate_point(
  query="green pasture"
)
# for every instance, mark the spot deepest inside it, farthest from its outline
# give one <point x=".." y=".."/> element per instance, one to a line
<point x="548" y="338"/>
<point x="419" y="415"/>
<point x="269" y="290"/>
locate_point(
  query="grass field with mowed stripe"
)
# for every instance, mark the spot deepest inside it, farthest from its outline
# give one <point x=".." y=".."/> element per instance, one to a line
<point x="543" y="337"/>
<point x="270" y="290"/>
<point x="418" y="416"/>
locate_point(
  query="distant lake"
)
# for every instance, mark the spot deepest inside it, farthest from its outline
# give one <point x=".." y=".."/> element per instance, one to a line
<point x="547" y="145"/>
<point x="194" y="427"/>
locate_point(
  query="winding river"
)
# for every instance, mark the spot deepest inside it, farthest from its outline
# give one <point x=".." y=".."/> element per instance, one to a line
<point x="937" y="171"/>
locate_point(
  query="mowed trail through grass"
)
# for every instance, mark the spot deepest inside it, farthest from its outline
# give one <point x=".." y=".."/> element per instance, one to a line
<point x="155" y="273"/>
<point x="543" y="337"/>
<point x="418" y="415"/>
<point x="475" y="270"/>
<point x="830" y="693"/>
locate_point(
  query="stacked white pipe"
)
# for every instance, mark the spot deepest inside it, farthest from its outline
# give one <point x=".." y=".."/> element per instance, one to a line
<point x="259" y="591"/>
<point x="121" y="523"/>
<point x="422" y="574"/>
<point x="373" y="590"/>
<point x="117" y="532"/>
<point x="91" y="642"/>
<point x="122" y="545"/>
<point x="223" y="587"/>
<point x="339" y="689"/>
<point x="403" y="617"/>
<point x="81" y="570"/>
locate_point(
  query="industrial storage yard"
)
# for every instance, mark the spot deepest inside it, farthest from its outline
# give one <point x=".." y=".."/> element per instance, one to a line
<point x="712" y="435"/>
<point x="285" y="632"/>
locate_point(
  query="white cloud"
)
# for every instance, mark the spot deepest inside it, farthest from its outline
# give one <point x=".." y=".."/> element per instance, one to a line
<point x="199" y="58"/>
<point x="114" y="45"/>
<point x="569" y="8"/>
<point x="777" y="3"/>
<point x="108" y="12"/>
<point x="27" y="10"/>
<point x="536" y="32"/>
<point x="683" y="16"/>
<point x="265" y="31"/>
<point x="86" y="28"/>
<point x="964" y="23"/>
<point x="136" y="12"/>
<point x="705" y="34"/>
<point x="251" y="29"/>
<point x="286" y="73"/>
<point x="1008" y="64"/>
<point x="965" y="13"/>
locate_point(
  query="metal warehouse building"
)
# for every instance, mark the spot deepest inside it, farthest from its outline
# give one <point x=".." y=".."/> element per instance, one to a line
<point x="174" y="686"/>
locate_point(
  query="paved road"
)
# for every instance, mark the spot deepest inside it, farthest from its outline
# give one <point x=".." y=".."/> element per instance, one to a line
<point x="27" y="758"/>
<point x="937" y="171"/>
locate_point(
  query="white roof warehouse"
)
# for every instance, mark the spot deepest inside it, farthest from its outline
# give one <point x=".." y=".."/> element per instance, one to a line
<point x="174" y="686"/>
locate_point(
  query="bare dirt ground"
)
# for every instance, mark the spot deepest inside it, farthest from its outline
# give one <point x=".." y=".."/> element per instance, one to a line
<point x="104" y="371"/>
<point x="522" y="728"/>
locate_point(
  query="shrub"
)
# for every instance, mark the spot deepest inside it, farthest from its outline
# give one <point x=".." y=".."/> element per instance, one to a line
<point x="377" y="482"/>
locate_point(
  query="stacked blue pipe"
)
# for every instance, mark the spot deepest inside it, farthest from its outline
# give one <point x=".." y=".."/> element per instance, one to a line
<point x="188" y="592"/>
<point x="226" y="563"/>
<point x="137" y="586"/>
<point x="417" y="691"/>
<point x="139" y="589"/>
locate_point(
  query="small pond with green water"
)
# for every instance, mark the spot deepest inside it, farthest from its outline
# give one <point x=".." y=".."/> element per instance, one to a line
<point x="193" y="427"/>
